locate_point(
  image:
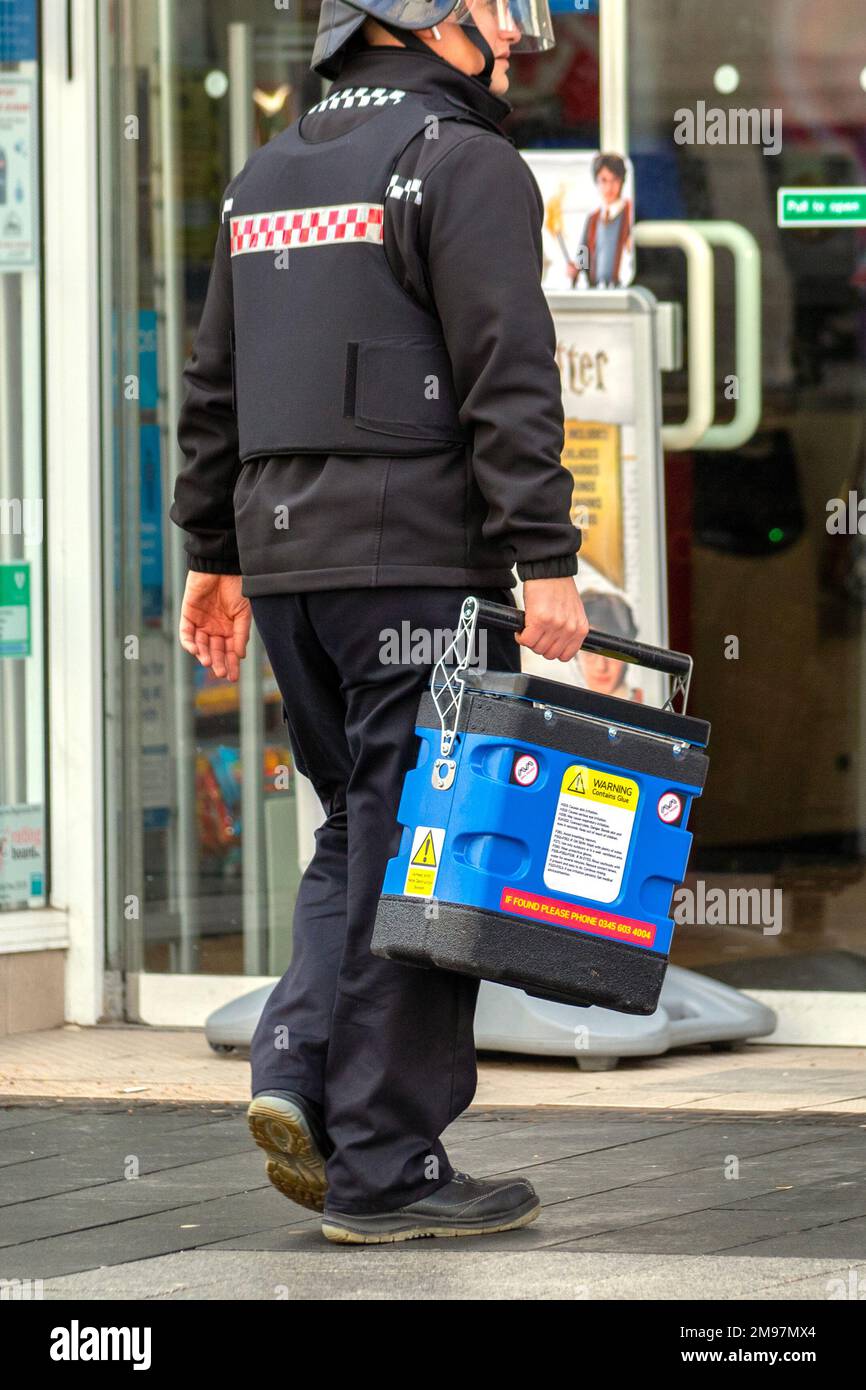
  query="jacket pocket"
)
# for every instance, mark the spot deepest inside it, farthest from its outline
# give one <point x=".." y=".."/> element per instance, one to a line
<point x="403" y="386"/>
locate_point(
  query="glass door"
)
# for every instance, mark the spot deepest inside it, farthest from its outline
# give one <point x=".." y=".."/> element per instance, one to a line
<point x="764" y="542"/>
<point x="209" y="822"/>
<point x="729" y="105"/>
<point x="725" y="107"/>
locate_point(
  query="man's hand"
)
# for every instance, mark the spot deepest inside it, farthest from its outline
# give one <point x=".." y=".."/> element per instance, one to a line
<point x="555" y="621"/>
<point x="215" y="622"/>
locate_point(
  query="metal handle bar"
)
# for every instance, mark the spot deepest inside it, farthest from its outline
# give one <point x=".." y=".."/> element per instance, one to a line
<point x="599" y="643"/>
<point x="448" y="687"/>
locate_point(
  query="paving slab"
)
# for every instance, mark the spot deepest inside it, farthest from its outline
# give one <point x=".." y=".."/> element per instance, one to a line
<point x="649" y="1185"/>
<point x="429" y="1271"/>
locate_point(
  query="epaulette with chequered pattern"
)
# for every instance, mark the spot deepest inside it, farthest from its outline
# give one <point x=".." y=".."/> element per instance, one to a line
<point x="359" y="96"/>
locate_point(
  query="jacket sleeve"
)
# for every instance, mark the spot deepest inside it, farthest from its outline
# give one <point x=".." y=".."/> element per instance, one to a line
<point x="480" y="236"/>
<point x="208" y="431"/>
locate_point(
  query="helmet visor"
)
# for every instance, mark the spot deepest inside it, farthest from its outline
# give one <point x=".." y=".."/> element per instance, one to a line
<point x="528" y="19"/>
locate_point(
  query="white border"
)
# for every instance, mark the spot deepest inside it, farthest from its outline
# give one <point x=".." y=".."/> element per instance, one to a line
<point x="186" y="1001"/>
<point x="72" y="336"/>
<point x="38" y="929"/>
<point x="815" y="1018"/>
<point x="828" y="222"/>
<point x="806" y="1018"/>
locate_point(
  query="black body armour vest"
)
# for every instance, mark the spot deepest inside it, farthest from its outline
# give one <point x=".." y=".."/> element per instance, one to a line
<point x="331" y="354"/>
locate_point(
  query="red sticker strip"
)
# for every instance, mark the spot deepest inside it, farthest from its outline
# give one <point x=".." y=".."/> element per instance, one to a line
<point x="577" y="916"/>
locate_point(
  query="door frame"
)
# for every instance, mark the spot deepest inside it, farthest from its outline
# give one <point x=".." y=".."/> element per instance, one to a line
<point x="78" y="365"/>
<point x="73" y="375"/>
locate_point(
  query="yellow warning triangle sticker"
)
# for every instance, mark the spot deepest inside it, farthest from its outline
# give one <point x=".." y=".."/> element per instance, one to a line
<point x="578" y="785"/>
<point x="425" y="855"/>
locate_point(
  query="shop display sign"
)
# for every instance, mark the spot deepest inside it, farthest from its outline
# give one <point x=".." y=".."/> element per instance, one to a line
<point x="18" y="179"/>
<point x="22" y="855"/>
<point x="15" y="621"/>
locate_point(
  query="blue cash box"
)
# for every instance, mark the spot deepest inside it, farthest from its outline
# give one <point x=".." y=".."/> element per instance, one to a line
<point x="544" y="828"/>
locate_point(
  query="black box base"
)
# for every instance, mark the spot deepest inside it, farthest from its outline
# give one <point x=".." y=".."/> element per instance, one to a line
<point x="545" y="961"/>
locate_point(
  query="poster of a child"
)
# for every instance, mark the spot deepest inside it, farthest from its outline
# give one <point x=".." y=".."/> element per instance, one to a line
<point x="588" y="218"/>
<point x="608" y="612"/>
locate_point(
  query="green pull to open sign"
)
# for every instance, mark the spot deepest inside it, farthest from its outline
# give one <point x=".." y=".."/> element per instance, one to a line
<point x="821" y="207"/>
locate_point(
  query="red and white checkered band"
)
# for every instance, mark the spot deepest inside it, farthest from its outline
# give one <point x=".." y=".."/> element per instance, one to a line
<point x="272" y="231"/>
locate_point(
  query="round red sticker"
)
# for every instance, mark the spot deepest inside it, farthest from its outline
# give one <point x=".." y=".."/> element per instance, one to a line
<point x="525" y="770"/>
<point x="670" y="807"/>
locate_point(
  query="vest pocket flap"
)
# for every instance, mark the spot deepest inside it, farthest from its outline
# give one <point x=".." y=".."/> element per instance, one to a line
<point x="402" y="386"/>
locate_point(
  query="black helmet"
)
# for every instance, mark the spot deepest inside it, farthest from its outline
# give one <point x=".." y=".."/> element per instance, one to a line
<point x="341" y="19"/>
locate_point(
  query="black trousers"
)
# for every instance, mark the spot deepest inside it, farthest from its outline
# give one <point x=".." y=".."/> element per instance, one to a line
<point x="387" y="1049"/>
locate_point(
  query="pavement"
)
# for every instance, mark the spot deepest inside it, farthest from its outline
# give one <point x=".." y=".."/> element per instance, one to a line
<point x="128" y="1172"/>
<point x="117" y="1061"/>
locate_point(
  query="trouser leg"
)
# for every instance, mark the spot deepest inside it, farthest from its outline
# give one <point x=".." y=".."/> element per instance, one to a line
<point x="392" y="1047"/>
<point x="401" y="1059"/>
<point x="289" y="1047"/>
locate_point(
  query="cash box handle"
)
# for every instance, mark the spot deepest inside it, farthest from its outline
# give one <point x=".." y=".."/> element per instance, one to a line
<point x="599" y="643"/>
<point x="448" y="686"/>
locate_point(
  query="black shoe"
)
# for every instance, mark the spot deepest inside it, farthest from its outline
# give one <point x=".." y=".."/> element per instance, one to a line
<point x="291" y="1131"/>
<point x="463" y="1207"/>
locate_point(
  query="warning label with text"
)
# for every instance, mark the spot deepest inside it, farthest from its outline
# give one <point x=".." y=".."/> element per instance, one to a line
<point x="424" y="861"/>
<point x="577" y="916"/>
<point x="591" y="833"/>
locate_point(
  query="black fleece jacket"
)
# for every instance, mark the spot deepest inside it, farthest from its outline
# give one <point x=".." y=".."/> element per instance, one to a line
<point x="471" y="252"/>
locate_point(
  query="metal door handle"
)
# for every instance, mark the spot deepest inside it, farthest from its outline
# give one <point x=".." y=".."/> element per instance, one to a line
<point x="701" y="326"/>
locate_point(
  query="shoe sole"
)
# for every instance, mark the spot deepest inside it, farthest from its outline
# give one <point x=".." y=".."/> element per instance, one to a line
<point x="355" y="1234"/>
<point x="295" y="1164"/>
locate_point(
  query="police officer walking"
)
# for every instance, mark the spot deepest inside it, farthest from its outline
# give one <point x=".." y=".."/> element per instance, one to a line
<point x="373" y="429"/>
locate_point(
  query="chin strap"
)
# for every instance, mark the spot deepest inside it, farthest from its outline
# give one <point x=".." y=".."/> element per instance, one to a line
<point x="486" y="51"/>
<point x="410" y="39"/>
<point x="407" y="37"/>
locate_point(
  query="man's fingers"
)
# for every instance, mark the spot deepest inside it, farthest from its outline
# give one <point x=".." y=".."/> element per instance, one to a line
<point x="573" y="640"/>
<point x="571" y="651"/>
<point x="541" y="635"/>
<point x="555" y="640"/>
<point x="531" y="634"/>
<point x="556" y="622"/>
<point x="218" y="655"/>
<point x="202" y="647"/>
<point x="216" y="652"/>
<point x="241" y="631"/>
<point x="564" y="650"/>
<point x="541" y="641"/>
<point x="555" y="648"/>
<point x="187" y="636"/>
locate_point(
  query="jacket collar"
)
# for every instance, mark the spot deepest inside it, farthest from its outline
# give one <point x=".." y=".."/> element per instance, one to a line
<point x="420" y="72"/>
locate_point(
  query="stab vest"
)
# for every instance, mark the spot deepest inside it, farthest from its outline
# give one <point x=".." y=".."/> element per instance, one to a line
<point x="330" y="354"/>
